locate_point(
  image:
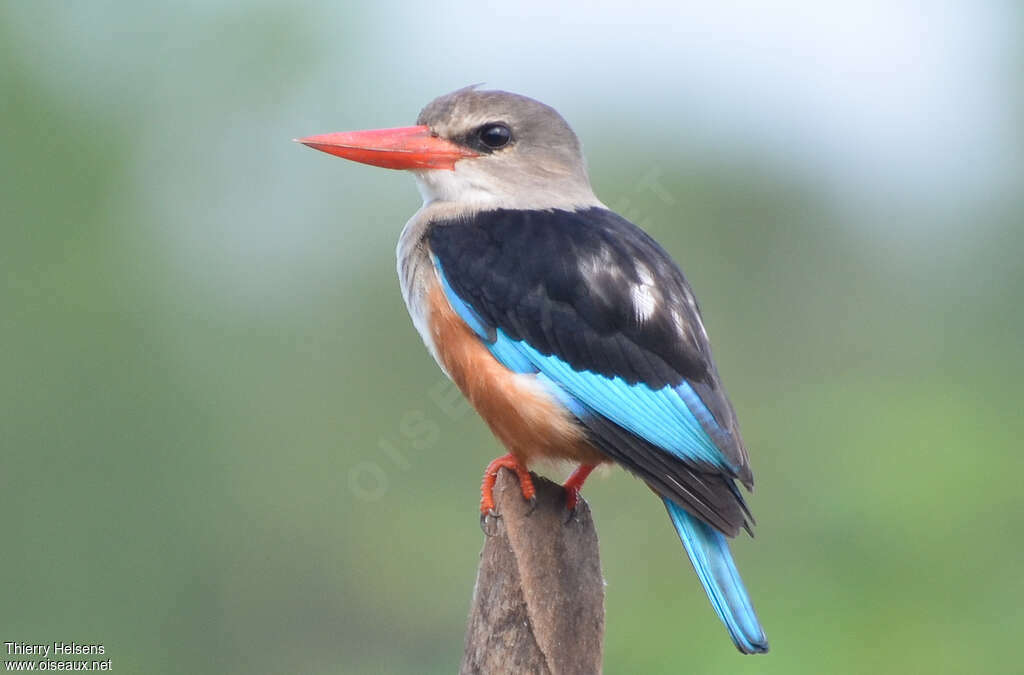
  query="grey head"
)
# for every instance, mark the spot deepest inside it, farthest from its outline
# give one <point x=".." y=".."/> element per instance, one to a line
<point x="527" y="155"/>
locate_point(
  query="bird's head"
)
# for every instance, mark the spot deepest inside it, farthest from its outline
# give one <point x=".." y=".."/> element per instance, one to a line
<point x="483" y="149"/>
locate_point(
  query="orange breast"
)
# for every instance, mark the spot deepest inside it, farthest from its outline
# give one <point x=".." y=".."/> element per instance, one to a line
<point x="527" y="419"/>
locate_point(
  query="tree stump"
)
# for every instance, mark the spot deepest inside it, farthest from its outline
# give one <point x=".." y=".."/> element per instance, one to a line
<point x="538" y="603"/>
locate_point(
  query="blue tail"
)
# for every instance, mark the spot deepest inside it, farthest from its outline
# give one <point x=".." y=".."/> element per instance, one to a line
<point x="709" y="553"/>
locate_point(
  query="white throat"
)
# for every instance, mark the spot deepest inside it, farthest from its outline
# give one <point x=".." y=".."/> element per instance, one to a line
<point x="471" y="186"/>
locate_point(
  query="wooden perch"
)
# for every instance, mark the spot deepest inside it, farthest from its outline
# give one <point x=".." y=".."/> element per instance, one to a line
<point x="538" y="604"/>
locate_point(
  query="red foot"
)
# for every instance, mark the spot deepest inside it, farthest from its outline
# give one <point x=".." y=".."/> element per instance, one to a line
<point x="575" y="483"/>
<point x="491" y="475"/>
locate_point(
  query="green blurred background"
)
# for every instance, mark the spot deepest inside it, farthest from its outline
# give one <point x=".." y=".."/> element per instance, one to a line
<point x="225" y="450"/>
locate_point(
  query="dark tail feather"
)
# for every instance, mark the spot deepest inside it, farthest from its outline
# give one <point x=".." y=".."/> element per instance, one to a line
<point x="709" y="552"/>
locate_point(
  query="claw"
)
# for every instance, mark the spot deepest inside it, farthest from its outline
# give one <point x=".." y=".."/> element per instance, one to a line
<point x="508" y="461"/>
<point x="570" y="515"/>
<point x="487" y="517"/>
<point x="533" y="505"/>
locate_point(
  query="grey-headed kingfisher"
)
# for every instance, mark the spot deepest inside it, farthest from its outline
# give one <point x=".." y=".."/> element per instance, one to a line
<point x="569" y="329"/>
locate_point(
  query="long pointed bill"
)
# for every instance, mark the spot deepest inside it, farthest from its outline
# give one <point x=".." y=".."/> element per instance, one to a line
<point x="401" y="148"/>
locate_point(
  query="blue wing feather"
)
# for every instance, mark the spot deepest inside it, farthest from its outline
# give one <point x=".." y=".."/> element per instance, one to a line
<point x="660" y="416"/>
<point x="669" y="418"/>
<point x="465" y="312"/>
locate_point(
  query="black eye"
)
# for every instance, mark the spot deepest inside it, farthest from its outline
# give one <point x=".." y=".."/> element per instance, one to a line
<point x="495" y="135"/>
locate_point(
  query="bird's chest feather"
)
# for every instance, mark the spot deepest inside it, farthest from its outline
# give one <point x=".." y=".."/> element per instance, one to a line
<point x="518" y="407"/>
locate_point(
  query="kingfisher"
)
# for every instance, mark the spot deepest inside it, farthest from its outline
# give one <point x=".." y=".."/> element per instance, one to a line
<point x="572" y="333"/>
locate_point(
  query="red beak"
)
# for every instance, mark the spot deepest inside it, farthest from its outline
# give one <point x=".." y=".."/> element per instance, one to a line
<point x="401" y="148"/>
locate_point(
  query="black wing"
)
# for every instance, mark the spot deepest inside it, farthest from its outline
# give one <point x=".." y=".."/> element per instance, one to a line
<point x="594" y="290"/>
